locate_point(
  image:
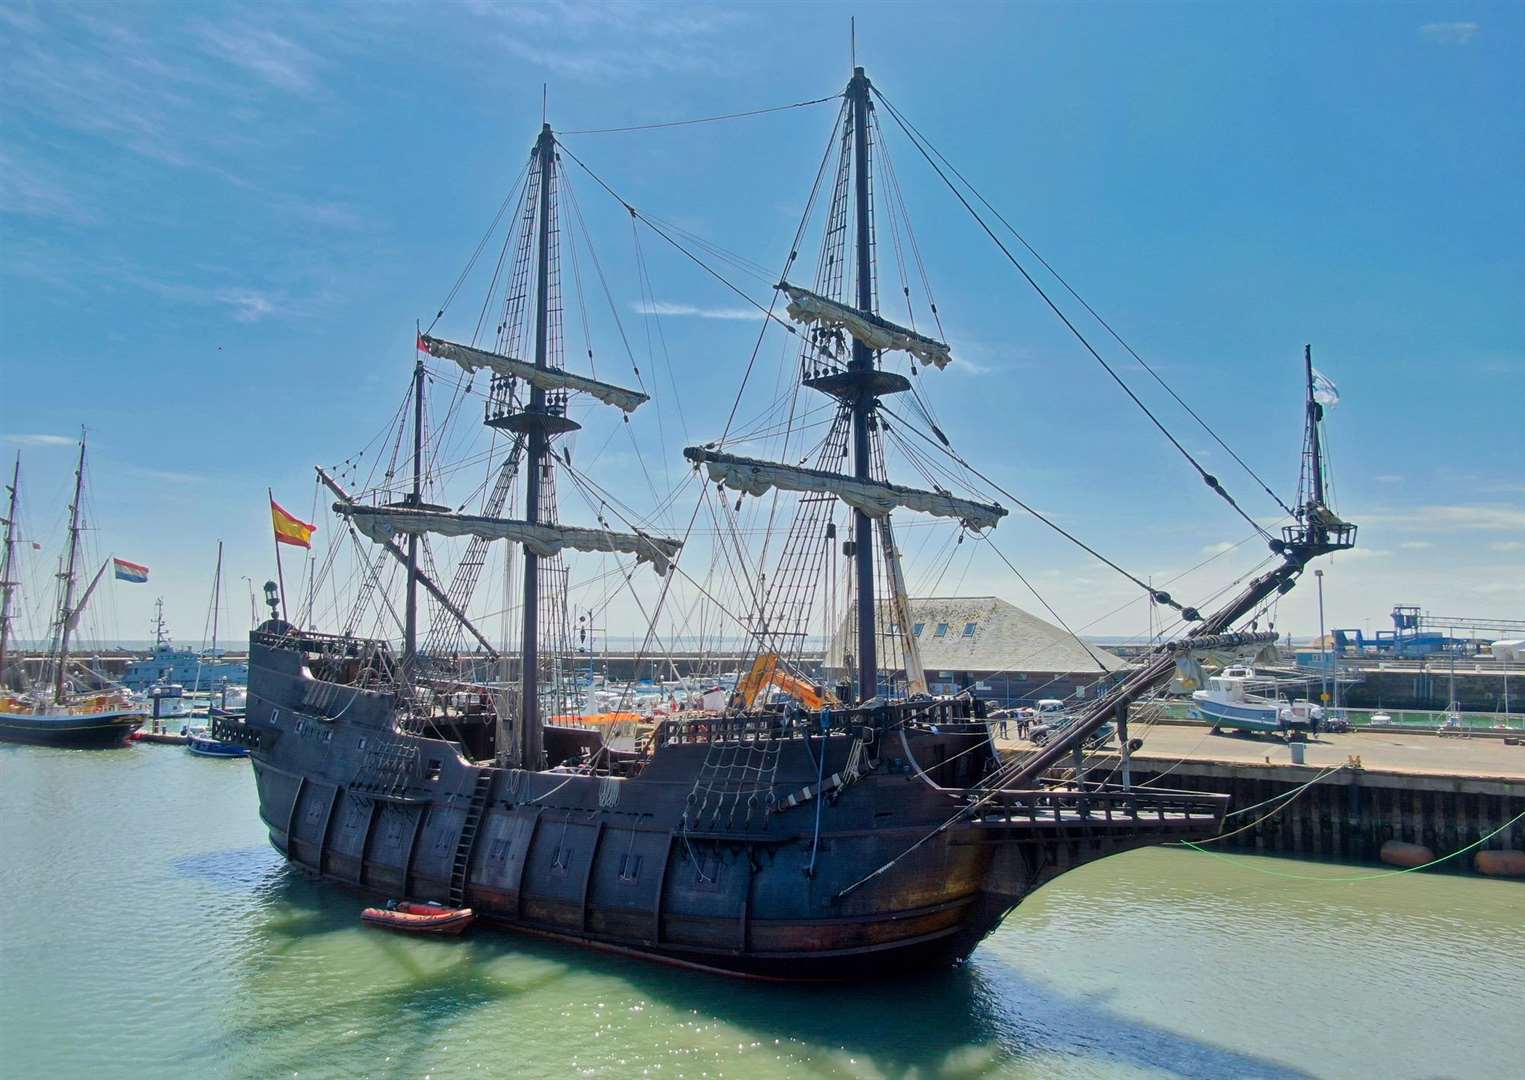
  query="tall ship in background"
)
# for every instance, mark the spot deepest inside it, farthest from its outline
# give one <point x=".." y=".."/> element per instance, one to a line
<point x="66" y="705"/>
<point x="862" y="827"/>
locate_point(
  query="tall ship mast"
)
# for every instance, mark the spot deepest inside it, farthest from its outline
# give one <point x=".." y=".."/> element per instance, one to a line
<point x="815" y="828"/>
<point x="55" y="712"/>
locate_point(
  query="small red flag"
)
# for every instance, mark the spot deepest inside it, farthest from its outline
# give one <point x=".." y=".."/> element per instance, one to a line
<point x="423" y="346"/>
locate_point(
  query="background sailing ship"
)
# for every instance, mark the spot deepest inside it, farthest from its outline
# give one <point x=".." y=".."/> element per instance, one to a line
<point x="66" y="705"/>
<point x="862" y="825"/>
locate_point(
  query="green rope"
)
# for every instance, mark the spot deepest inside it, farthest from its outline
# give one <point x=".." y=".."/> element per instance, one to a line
<point x="1288" y="794"/>
<point x="1361" y="877"/>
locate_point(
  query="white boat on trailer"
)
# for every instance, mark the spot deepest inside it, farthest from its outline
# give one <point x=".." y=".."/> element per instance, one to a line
<point x="1240" y="701"/>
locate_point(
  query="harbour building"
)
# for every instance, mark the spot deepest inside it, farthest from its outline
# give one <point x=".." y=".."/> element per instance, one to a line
<point x="991" y="648"/>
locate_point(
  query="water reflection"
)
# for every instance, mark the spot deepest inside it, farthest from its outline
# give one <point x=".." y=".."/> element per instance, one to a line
<point x="319" y="976"/>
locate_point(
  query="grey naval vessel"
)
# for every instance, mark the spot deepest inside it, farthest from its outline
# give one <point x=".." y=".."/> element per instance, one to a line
<point x="822" y="825"/>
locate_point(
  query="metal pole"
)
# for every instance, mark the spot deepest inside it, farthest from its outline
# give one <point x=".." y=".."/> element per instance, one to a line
<point x="280" y="575"/>
<point x="863" y="406"/>
<point x="531" y="742"/>
<point x="1323" y="646"/>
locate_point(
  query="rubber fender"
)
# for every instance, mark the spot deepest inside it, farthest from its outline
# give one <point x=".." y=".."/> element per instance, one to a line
<point x="1398" y="853"/>
<point x="1500" y="863"/>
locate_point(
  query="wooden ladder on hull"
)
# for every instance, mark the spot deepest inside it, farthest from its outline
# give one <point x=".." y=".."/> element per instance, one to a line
<point x="466" y="843"/>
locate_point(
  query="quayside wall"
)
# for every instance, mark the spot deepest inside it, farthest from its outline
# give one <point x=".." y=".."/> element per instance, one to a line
<point x="1350" y="814"/>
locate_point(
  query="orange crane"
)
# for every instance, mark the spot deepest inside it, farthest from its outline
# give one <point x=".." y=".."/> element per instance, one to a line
<point x="766" y="671"/>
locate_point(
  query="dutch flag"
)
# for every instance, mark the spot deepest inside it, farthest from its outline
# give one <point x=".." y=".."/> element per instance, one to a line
<point x="129" y="571"/>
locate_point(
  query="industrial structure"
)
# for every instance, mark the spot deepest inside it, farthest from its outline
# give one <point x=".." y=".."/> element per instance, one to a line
<point x="1417" y="634"/>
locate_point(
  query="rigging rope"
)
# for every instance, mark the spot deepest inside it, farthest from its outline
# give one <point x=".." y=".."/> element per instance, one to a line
<point x="1479" y="842"/>
<point x="704" y="119"/>
<point x="900" y="118"/>
<point x="1208" y="478"/>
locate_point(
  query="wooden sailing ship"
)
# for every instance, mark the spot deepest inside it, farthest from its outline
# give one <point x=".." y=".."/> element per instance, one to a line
<point x="57" y="710"/>
<point x="860" y="827"/>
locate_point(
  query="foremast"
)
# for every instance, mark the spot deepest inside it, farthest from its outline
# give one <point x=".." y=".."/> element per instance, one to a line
<point x="1316" y="530"/>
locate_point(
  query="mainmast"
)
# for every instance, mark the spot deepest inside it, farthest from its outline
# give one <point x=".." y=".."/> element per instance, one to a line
<point x="64" y="611"/>
<point x="538" y="439"/>
<point x="862" y="364"/>
<point x="7" y="568"/>
<point x="531" y="739"/>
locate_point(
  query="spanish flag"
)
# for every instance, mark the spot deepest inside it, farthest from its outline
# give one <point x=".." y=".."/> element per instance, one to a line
<point x="290" y="529"/>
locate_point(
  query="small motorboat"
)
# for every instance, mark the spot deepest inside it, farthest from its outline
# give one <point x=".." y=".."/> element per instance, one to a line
<point x="419" y="918"/>
<point x="202" y="741"/>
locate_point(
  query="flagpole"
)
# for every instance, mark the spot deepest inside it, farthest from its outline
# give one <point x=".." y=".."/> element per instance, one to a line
<point x="280" y="577"/>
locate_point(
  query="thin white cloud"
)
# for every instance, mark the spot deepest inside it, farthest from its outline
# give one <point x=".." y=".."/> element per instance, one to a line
<point x="602" y="42"/>
<point x="1507" y="545"/>
<point x="1480" y="517"/>
<point x="1416" y="545"/>
<point x="1219" y="548"/>
<point x="269" y="56"/>
<point x="40" y="440"/>
<point x="247" y="304"/>
<point x="1450" y="33"/>
<point x="691" y="311"/>
<point x="31" y="189"/>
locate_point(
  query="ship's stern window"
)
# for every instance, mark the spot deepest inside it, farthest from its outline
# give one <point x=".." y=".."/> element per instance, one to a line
<point x="630" y="868"/>
<point x="917" y="629"/>
<point x="942" y="630"/>
<point x="969" y="629"/>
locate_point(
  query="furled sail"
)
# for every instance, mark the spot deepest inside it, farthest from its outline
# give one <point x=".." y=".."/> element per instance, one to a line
<point x="381" y="523"/>
<point x="874" y="498"/>
<point x="808" y="307"/>
<point x="473" y="359"/>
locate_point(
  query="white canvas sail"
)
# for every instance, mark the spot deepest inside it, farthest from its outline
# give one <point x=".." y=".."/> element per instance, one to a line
<point x="808" y="307"/>
<point x="381" y="523"/>
<point x="473" y="359"/>
<point x="874" y="498"/>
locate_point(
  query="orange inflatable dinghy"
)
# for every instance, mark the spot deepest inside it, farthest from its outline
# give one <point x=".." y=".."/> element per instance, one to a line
<point x="419" y="918"/>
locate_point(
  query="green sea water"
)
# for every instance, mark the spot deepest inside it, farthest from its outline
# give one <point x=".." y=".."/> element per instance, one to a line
<point x="152" y="932"/>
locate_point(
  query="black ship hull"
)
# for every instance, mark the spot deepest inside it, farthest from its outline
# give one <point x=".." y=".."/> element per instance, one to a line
<point x="822" y="848"/>
<point x="91" y="731"/>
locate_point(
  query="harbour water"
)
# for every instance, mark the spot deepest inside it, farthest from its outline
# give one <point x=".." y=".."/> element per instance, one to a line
<point x="154" y="933"/>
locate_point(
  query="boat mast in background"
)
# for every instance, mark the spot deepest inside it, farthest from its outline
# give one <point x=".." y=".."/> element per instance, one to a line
<point x="66" y="576"/>
<point x="8" y="567"/>
<point x="216" y="595"/>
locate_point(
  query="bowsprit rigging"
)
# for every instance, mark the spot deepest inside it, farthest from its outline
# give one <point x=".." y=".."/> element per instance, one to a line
<point x="804" y="826"/>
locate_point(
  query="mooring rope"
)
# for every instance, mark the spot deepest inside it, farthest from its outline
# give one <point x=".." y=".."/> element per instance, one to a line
<point x="1362" y="877"/>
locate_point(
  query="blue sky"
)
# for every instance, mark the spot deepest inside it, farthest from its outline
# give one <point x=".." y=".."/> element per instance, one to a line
<point x="220" y="224"/>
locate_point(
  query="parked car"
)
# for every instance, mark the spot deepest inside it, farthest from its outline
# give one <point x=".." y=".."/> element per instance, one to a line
<point x="1053" y="719"/>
